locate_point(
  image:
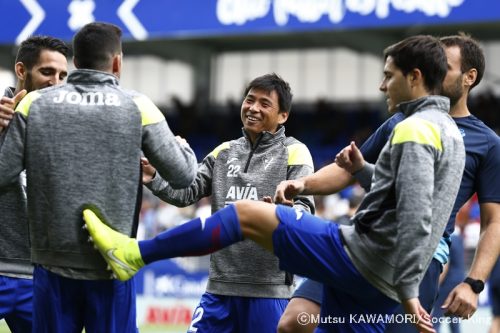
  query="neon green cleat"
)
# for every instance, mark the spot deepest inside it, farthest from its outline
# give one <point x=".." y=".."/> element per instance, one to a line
<point x="120" y="252"/>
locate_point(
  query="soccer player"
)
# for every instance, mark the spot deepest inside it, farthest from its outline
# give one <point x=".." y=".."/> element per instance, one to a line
<point x="81" y="143"/>
<point x="465" y="70"/>
<point x="40" y="63"/>
<point x="367" y="268"/>
<point x="245" y="284"/>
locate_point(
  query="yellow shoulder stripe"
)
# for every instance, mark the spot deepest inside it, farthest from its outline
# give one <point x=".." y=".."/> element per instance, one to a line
<point x="298" y="154"/>
<point x="219" y="148"/>
<point x="419" y="131"/>
<point x="25" y="104"/>
<point x="150" y="114"/>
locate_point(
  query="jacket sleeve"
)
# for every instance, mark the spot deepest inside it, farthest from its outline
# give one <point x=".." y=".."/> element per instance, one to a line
<point x="174" y="161"/>
<point x="12" y="142"/>
<point x="364" y="176"/>
<point x="199" y="188"/>
<point x="300" y="164"/>
<point x="415" y="147"/>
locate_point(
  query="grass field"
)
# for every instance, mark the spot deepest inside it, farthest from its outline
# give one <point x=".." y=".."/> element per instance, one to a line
<point x="143" y="329"/>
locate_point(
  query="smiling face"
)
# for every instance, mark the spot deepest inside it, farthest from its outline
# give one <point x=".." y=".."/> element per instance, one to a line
<point x="395" y="85"/>
<point x="260" y="112"/>
<point x="51" y="69"/>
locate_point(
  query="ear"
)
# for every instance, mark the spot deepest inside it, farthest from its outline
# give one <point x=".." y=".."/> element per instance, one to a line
<point x="117" y="65"/>
<point x="21" y="71"/>
<point x="415" y="77"/>
<point x="282" y="117"/>
<point x="470" y="77"/>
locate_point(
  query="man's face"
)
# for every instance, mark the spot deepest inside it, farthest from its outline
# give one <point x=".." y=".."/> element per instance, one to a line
<point x="51" y="69"/>
<point x="260" y="112"/>
<point x="395" y="85"/>
<point x="453" y="84"/>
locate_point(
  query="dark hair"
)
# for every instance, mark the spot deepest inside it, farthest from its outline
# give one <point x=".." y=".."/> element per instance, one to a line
<point x="270" y="82"/>
<point x="425" y="53"/>
<point x="30" y="49"/>
<point x="471" y="54"/>
<point x="95" y="45"/>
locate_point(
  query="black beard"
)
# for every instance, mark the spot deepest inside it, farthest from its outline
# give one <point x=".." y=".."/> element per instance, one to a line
<point x="28" y="83"/>
<point x="454" y="92"/>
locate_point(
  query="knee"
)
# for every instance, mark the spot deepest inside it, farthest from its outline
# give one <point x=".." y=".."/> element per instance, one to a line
<point x="286" y="324"/>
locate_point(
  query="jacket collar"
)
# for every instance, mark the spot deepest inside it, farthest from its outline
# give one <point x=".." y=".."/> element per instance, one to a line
<point x="90" y="75"/>
<point x="441" y="103"/>
<point x="267" y="137"/>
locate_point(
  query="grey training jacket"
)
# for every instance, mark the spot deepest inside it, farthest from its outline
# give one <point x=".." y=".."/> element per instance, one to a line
<point x="233" y="171"/>
<point x="81" y="144"/>
<point x="415" y="181"/>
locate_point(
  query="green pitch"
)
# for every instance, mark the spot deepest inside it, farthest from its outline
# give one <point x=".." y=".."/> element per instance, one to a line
<point x="143" y="329"/>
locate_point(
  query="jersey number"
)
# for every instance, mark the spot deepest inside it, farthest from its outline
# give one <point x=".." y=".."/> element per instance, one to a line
<point x="198" y="313"/>
<point x="233" y="170"/>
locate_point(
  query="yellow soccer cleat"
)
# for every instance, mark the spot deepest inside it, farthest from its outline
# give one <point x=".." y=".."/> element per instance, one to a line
<point x="120" y="252"/>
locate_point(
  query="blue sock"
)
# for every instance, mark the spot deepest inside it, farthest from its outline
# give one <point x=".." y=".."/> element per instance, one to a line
<point x="194" y="238"/>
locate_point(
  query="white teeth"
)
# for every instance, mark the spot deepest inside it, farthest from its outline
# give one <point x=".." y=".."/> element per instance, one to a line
<point x="252" y="118"/>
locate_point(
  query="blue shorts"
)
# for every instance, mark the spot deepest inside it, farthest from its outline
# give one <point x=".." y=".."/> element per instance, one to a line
<point x="16" y="303"/>
<point x="226" y="314"/>
<point x="311" y="247"/>
<point x="310" y="290"/>
<point x="64" y="305"/>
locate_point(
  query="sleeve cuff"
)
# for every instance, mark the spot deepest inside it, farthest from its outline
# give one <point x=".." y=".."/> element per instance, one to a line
<point x="364" y="176"/>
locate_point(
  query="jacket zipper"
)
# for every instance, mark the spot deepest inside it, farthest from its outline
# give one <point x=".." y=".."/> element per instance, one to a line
<point x="252" y="151"/>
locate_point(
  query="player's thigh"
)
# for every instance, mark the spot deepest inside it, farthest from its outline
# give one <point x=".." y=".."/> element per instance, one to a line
<point x="296" y="317"/>
<point x="312" y="247"/>
<point x="212" y="315"/>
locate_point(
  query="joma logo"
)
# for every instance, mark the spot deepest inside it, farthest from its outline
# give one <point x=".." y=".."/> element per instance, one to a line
<point x="88" y="98"/>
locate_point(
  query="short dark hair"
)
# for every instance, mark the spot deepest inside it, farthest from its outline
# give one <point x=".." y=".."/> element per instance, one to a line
<point x="95" y="45"/>
<point x="471" y="54"/>
<point x="30" y="49"/>
<point x="425" y="53"/>
<point x="270" y="82"/>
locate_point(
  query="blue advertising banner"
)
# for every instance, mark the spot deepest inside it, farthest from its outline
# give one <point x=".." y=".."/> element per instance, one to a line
<point x="154" y="19"/>
<point x="169" y="278"/>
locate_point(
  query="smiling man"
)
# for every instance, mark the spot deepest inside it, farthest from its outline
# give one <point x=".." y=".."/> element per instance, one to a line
<point x="246" y="286"/>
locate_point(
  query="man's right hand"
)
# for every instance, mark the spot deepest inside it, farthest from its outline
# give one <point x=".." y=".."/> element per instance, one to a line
<point x="7" y="106"/>
<point x="350" y="158"/>
<point x="287" y="190"/>
<point x="148" y="171"/>
<point x="421" y="319"/>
